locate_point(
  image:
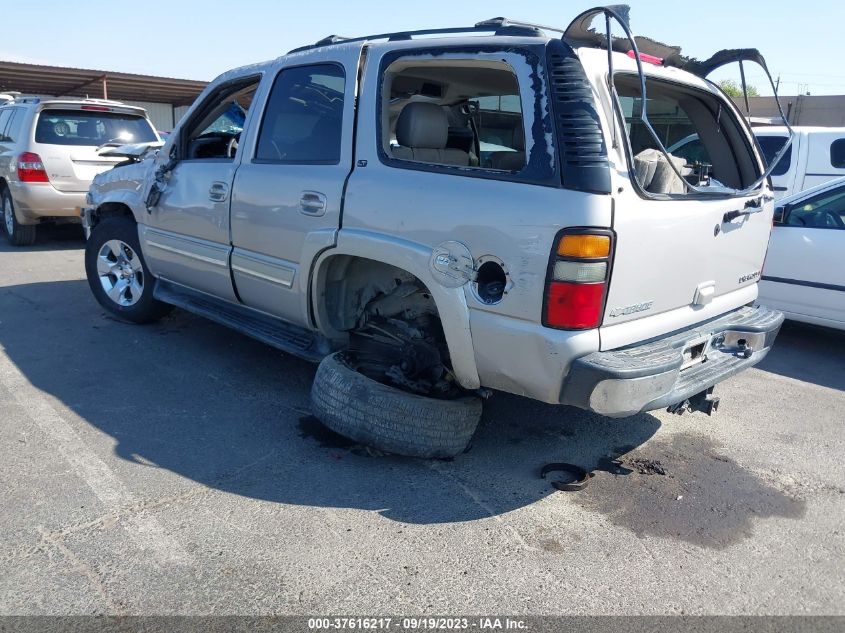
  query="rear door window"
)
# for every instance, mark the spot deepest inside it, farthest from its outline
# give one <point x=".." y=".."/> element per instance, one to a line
<point x="13" y="130"/>
<point x="458" y="113"/>
<point x="80" y="127"/>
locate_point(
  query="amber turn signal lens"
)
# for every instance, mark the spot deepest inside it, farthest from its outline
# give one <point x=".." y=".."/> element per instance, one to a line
<point x="584" y="246"/>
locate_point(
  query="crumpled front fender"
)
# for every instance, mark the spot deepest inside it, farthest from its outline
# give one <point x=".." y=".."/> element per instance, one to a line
<point x="127" y="185"/>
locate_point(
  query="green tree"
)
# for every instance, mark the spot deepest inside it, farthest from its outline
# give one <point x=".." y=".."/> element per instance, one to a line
<point x="733" y="89"/>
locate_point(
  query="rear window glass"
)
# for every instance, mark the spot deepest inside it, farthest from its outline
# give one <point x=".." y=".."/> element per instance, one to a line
<point x="77" y="127"/>
<point x="771" y="145"/>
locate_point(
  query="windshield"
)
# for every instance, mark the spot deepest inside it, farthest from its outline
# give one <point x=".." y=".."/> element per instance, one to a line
<point x="77" y="127"/>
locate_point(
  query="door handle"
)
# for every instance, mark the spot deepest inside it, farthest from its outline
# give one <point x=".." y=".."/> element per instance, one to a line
<point x="312" y="203"/>
<point x="218" y="191"/>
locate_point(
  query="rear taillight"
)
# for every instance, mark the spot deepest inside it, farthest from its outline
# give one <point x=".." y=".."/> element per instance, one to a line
<point x="31" y="169"/>
<point x="576" y="285"/>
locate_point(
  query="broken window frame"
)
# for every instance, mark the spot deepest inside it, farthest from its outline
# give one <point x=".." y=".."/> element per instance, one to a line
<point x="611" y="14"/>
<point x="527" y="72"/>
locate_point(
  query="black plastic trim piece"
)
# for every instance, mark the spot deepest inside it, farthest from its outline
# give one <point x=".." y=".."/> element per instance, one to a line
<point x="801" y="282"/>
<point x="584" y="165"/>
<point x="290" y="338"/>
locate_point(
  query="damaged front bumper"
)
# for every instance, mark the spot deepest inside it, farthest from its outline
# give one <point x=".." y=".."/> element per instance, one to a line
<point x="672" y="369"/>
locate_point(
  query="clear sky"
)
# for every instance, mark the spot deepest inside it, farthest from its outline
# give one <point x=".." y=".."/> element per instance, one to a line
<point x="802" y="41"/>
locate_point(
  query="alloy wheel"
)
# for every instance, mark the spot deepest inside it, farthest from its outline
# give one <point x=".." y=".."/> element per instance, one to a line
<point x="121" y="272"/>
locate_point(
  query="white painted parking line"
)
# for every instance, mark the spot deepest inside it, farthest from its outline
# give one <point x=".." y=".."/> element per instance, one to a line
<point x="143" y="528"/>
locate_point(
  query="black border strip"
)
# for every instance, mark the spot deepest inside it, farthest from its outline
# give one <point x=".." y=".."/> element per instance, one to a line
<point x="801" y="282"/>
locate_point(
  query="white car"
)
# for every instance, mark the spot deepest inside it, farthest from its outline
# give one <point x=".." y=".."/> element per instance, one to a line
<point x="804" y="274"/>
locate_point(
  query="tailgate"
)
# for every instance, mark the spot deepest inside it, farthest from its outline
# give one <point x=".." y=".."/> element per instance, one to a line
<point x="682" y="254"/>
<point x="73" y="168"/>
<point x="70" y="138"/>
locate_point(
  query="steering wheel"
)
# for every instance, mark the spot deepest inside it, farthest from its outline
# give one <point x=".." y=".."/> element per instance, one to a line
<point x="834" y="219"/>
<point x="232" y="147"/>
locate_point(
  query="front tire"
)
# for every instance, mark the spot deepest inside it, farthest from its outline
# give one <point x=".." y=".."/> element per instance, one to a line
<point x="117" y="273"/>
<point x="17" y="233"/>
<point x="388" y="419"/>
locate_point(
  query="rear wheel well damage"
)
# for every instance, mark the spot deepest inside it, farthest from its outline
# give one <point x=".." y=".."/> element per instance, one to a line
<point x="390" y="321"/>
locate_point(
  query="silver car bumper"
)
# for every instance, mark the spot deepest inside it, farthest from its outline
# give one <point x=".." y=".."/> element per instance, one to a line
<point x="673" y="368"/>
<point x="35" y="201"/>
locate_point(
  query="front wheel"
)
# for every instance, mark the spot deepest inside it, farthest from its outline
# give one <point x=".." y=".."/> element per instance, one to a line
<point x="117" y="273"/>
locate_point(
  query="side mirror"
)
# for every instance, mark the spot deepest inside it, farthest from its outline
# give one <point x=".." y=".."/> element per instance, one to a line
<point x="780" y="215"/>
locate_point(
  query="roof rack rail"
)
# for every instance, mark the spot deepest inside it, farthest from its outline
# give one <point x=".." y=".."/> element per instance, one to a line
<point x="496" y="26"/>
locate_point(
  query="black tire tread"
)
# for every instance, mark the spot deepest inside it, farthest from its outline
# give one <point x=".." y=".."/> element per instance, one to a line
<point x="148" y="309"/>
<point x="24" y="234"/>
<point x="391" y="420"/>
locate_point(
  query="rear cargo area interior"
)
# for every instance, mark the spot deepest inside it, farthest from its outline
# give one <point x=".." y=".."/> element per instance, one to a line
<point x="703" y="137"/>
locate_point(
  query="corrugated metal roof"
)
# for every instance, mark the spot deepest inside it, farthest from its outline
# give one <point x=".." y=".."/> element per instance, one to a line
<point x="81" y="82"/>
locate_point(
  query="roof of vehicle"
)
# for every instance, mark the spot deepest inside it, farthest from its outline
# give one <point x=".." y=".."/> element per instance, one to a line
<point x="495" y="26"/>
<point x="806" y="193"/>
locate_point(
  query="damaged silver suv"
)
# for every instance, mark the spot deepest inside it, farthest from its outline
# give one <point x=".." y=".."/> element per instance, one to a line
<point x="432" y="215"/>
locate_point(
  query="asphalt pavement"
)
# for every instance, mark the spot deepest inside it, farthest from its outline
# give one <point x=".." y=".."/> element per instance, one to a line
<point x="176" y="469"/>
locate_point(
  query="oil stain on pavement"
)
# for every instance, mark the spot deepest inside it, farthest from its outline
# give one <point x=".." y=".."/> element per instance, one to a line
<point x="702" y="497"/>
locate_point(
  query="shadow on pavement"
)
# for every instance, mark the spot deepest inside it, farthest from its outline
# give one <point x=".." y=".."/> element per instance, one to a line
<point x="49" y="237"/>
<point x="797" y="351"/>
<point x="230" y="413"/>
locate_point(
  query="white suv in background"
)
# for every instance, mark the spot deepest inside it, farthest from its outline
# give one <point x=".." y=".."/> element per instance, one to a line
<point x="50" y="150"/>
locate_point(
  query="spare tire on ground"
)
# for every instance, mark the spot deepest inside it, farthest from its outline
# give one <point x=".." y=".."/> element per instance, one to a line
<point x="387" y="418"/>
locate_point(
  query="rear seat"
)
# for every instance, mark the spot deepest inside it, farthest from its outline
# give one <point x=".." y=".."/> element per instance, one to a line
<point x="510" y="161"/>
<point x="422" y="132"/>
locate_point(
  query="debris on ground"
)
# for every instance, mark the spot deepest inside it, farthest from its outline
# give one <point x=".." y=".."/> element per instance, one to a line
<point x="646" y="466"/>
<point x="581" y="476"/>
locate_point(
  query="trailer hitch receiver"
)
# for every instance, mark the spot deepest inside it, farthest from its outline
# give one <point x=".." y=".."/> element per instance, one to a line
<point x="704" y="401"/>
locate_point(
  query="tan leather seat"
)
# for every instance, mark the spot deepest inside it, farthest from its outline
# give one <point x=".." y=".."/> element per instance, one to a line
<point x="510" y="161"/>
<point x="422" y="131"/>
